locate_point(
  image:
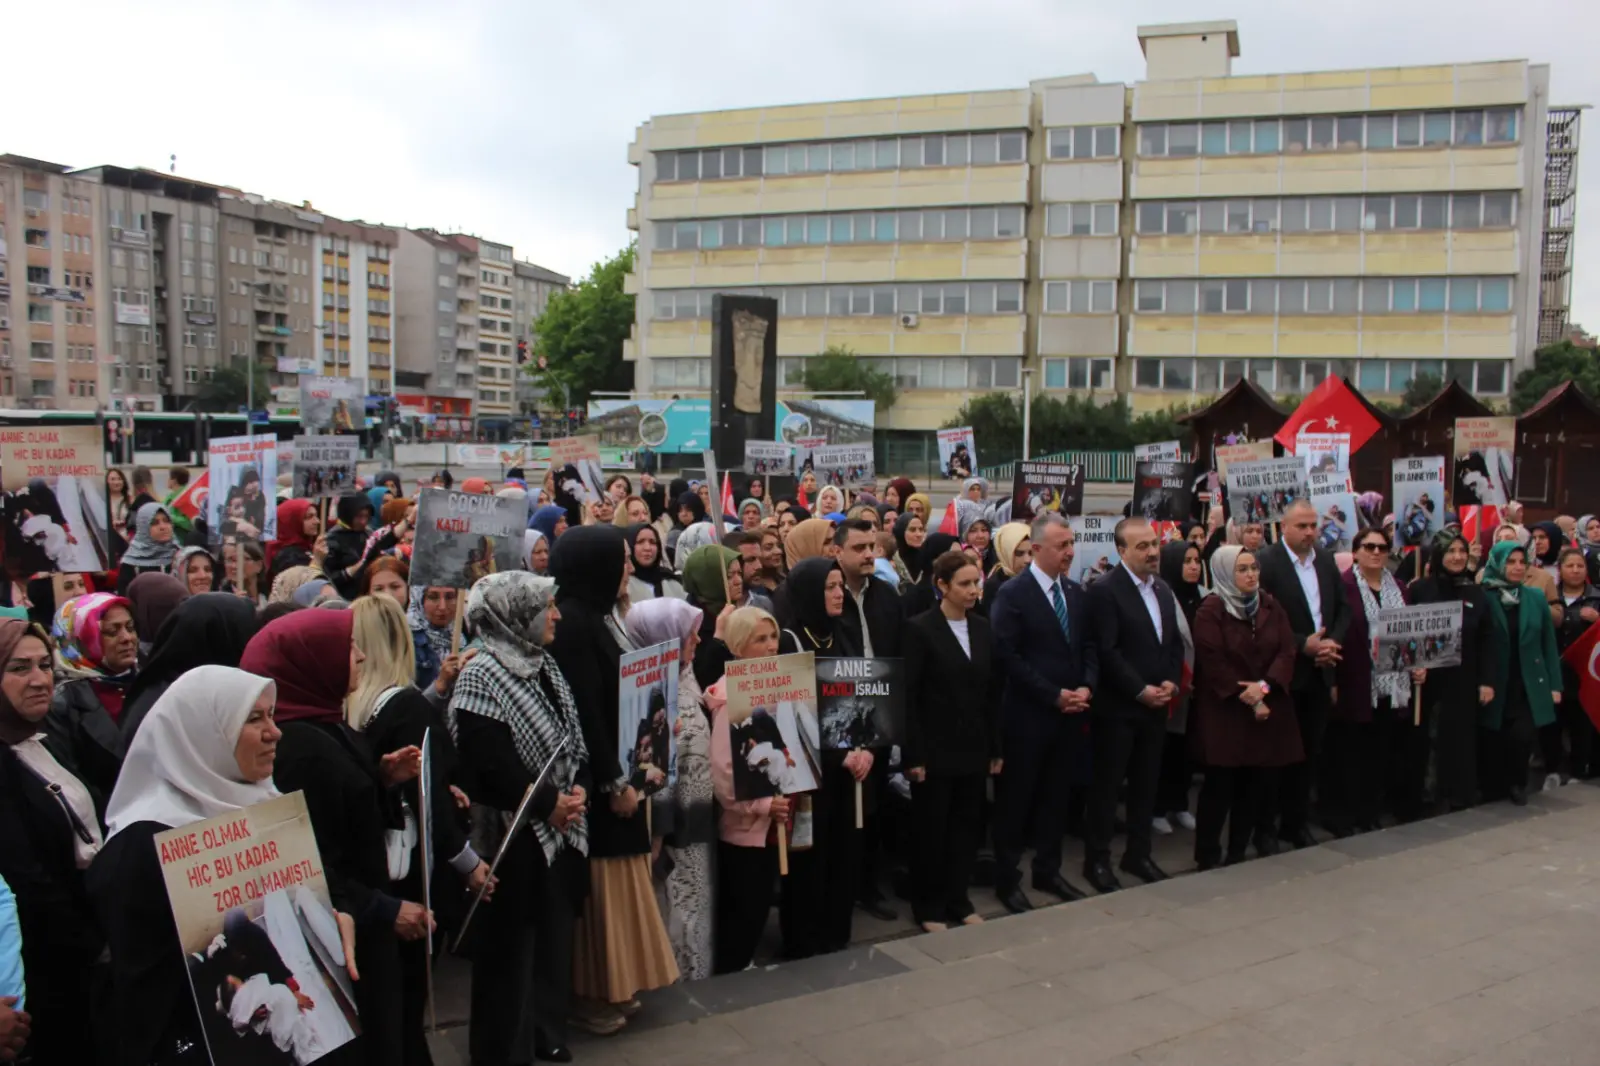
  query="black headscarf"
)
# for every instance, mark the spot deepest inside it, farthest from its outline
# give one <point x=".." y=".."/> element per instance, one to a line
<point x="697" y="508"/>
<point x="658" y="571"/>
<point x="351" y="504"/>
<point x="1557" y="539"/>
<point x="1188" y="593"/>
<point x="1441" y="583"/>
<point x="933" y="546"/>
<point x="908" y="555"/>
<point x="586" y="562"/>
<point x="210" y="629"/>
<point x="816" y="629"/>
<point x="675" y="490"/>
<point x="800" y="513"/>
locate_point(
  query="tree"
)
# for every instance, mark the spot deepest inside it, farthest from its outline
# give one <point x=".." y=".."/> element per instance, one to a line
<point x="838" y="369"/>
<point x="1421" y="391"/>
<point x="229" y="388"/>
<point x="581" y="333"/>
<point x="1071" y="423"/>
<point x="1553" y="365"/>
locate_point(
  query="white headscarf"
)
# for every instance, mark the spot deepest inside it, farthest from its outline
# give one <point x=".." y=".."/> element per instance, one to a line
<point x="180" y="767"/>
<point x="696" y="536"/>
<point x="530" y="541"/>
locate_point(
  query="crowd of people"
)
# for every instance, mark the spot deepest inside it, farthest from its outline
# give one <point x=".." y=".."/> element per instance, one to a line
<point x="202" y="678"/>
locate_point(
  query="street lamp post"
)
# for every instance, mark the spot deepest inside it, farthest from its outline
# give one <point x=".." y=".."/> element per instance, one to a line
<point x="1027" y="410"/>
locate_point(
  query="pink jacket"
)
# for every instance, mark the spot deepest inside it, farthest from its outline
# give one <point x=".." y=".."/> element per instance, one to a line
<point x="744" y="822"/>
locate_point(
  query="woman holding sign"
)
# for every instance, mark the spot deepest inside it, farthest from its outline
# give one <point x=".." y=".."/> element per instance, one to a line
<point x="1580" y="604"/>
<point x="1529" y="674"/>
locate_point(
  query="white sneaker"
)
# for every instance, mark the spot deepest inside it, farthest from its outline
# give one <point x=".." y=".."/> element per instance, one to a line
<point x="1552" y="782"/>
<point x="1184" y="819"/>
<point x="1161" y="826"/>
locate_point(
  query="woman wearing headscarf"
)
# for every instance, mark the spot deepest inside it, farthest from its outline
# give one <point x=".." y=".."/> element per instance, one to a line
<point x="1454" y="695"/>
<point x="49" y="833"/>
<point x="918" y="504"/>
<point x="772" y="571"/>
<point x="347" y="544"/>
<point x="97" y="651"/>
<point x="551" y="520"/>
<point x="1242" y="724"/>
<point x="820" y="892"/>
<point x="688" y="510"/>
<point x="290" y="581"/>
<point x="154" y="597"/>
<point x="910" y="532"/>
<point x="652" y="578"/>
<point x="298" y="527"/>
<point x="154" y="544"/>
<point x="621" y="947"/>
<point x="1528" y="687"/>
<point x="897" y="492"/>
<point x="921" y="595"/>
<point x="535" y="552"/>
<point x="750" y="514"/>
<point x="692" y="540"/>
<point x="379" y="495"/>
<point x="807" y="540"/>
<point x="1545" y="541"/>
<point x="211" y="629"/>
<point x="196" y="568"/>
<point x="393" y="535"/>
<point x="432" y="617"/>
<point x="685" y="817"/>
<point x="512" y="714"/>
<point x="710" y="576"/>
<point x="1182" y="570"/>
<point x="831" y="500"/>
<point x="1580" y="609"/>
<point x="352" y="797"/>
<point x="1013" y="549"/>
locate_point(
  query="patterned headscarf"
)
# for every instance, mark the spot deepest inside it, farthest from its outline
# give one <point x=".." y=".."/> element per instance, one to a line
<point x="664" y="619"/>
<point x="438" y="637"/>
<point x="142" y="550"/>
<point x="507" y="612"/>
<point x="1222" y="583"/>
<point x="76" y="630"/>
<point x="697" y="536"/>
<point x="1494" y="572"/>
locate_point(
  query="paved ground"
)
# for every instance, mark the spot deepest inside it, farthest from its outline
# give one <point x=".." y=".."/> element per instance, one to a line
<point x="1470" y="938"/>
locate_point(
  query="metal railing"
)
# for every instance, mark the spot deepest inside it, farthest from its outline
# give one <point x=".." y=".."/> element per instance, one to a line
<point x="1098" y="466"/>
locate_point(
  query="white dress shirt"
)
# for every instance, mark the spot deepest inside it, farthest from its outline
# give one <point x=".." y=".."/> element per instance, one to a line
<point x="1046" y="583"/>
<point x="963" y="636"/>
<point x="1147" y="593"/>
<point x="861" y="612"/>
<point x="1306" y="571"/>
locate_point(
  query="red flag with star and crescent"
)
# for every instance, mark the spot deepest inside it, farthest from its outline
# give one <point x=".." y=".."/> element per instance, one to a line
<point x="1332" y="407"/>
<point x="1582" y="656"/>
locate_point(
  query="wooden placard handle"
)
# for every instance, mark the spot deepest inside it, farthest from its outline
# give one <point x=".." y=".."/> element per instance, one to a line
<point x="1416" y="703"/>
<point x="461" y="614"/>
<point x="783" y="851"/>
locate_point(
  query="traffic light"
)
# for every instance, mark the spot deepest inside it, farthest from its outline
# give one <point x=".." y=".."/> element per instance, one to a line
<point x="522" y="352"/>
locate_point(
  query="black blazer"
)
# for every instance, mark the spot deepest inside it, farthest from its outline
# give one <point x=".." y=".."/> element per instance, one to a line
<point x="885" y="620"/>
<point x="1038" y="659"/>
<point x="1279" y="579"/>
<point x="1131" y="655"/>
<point x="952" y="702"/>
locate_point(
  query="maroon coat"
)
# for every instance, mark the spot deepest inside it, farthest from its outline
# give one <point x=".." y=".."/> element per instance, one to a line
<point x="1228" y="650"/>
<point x="1355" y="664"/>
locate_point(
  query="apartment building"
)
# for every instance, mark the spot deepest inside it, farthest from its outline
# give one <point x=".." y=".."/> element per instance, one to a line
<point x="268" y="292"/>
<point x="1158" y="240"/>
<point x="354" y="304"/>
<point x="436" y="343"/>
<point x="54" y="331"/>
<point x="532" y="286"/>
<point x="496" y="352"/>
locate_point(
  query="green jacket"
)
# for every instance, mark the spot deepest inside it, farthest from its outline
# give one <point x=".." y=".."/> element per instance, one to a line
<point x="1536" y="648"/>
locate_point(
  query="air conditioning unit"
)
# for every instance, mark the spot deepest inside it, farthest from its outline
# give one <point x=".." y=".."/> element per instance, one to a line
<point x="5" y="322"/>
<point x="908" y="320"/>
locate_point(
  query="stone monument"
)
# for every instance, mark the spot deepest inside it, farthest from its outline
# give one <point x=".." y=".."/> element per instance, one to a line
<point x="744" y="375"/>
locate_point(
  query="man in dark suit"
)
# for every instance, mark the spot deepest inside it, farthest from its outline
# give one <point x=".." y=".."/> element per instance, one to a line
<point x="1305" y="580"/>
<point x="1141" y="664"/>
<point x="1041" y="631"/>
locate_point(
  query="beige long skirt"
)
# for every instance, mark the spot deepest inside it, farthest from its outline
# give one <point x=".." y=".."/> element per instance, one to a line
<point x="620" y="947"/>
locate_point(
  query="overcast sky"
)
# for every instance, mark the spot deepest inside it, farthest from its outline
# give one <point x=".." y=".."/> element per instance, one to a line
<point x="512" y="119"/>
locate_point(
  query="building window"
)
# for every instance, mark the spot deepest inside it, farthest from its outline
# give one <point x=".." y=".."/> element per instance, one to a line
<point x="1078" y="373"/>
<point x="680" y="373"/>
<point x="1080" y="297"/>
<point x="1085" y="142"/>
<point x="1310" y="296"/>
<point x="1329" y="133"/>
<point x="1081" y="220"/>
<point x="819" y="301"/>
<point x="958" y="149"/>
<point x="862" y="227"/>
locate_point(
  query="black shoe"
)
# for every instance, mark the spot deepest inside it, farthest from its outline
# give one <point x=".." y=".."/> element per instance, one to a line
<point x="550" y="1052"/>
<point x="1144" y="869"/>
<point x="1519" y="795"/>
<point x="1298" y="837"/>
<point x="878" y="909"/>
<point x="1100" y="877"/>
<point x="1013" y="900"/>
<point x="1210" y="862"/>
<point x="1267" y="847"/>
<point x="1057" y="885"/>
<point x="1235" y="860"/>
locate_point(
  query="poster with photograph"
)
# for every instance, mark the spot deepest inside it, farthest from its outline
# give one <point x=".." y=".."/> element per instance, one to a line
<point x="958" y="453"/>
<point x="1324" y="453"/>
<point x="54" y="503"/>
<point x="844" y="465"/>
<point x="772" y="726"/>
<point x="1420" y="637"/>
<point x="583" y="455"/>
<point x="1095" y="547"/>
<point x="1485" y="469"/>
<point x="647" y="710"/>
<point x="1163" y="490"/>
<point x="243" y="481"/>
<point x="861" y="703"/>
<point x="1244" y="452"/>
<point x="332" y="405"/>
<point x="1335" y="501"/>
<point x="804" y="447"/>
<point x="764" y="458"/>
<point x="325" y="465"/>
<point x="1168" y="451"/>
<point x="1260" y="490"/>
<point x="260" y="942"/>
<point x="463" y="536"/>
<point x="1418" y="500"/>
<point x="1041" y="487"/>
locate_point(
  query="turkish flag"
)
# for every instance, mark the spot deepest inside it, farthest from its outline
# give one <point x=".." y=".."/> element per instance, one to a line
<point x="950" y="523"/>
<point x="1332" y="407"/>
<point x="1581" y="657"/>
<point x="192" y="500"/>
<point x="1478" y="523"/>
<point x="726" y="503"/>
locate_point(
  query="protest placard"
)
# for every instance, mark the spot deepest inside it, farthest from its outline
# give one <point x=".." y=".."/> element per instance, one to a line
<point x="958" y="453"/>
<point x="647" y="710"/>
<point x="1335" y="503"/>
<point x="1040" y="487"/>
<point x="1246" y="452"/>
<point x="1423" y="636"/>
<point x="843" y="465"/>
<point x="1163" y="490"/>
<point x="325" y="465"/>
<point x="54" y="506"/>
<point x="861" y="703"/>
<point x="1485" y="468"/>
<point x="586" y="480"/>
<point x="258" y="934"/>
<point x="1094" y="549"/>
<point x="1160" y="451"/>
<point x="1418" y="500"/>
<point x="463" y="536"/>
<point x="1324" y="453"/>
<point x="242" y="473"/>
<point x="772" y="725"/>
<point x="1260" y="490"/>
<point x="332" y="405"/>
<point x="804" y="447"/>
<point x="764" y="458"/>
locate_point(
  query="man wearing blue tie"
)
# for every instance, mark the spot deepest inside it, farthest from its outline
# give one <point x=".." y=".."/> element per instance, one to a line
<point x="1040" y="622"/>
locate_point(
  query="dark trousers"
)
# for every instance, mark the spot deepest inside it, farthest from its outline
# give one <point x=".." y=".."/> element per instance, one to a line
<point x="1582" y="741"/>
<point x="1503" y="753"/>
<point x="817" y="905"/>
<point x="1403" y="750"/>
<point x="1172" y="789"/>
<point x="1311" y="709"/>
<point x="1125" y="745"/>
<point x="414" y="1003"/>
<point x="1239" y="796"/>
<point x="744" y="901"/>
<point x="522" y="968"/>
<point x="1031" y="806"/>
<point x="873" y="843"/>
<point x="945" y="812"/>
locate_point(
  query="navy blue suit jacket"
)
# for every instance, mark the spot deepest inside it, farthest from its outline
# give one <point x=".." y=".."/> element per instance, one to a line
<point x="1129" y="650"/>
<point x="1039" y="661"/>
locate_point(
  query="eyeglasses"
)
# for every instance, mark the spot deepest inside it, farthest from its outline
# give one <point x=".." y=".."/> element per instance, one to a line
<point x="1379" y="548"/>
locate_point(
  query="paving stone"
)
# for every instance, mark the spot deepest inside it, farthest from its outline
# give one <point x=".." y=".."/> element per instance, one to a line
<point x="1221" y="1045"/>
<point x="1319" y="1019"/>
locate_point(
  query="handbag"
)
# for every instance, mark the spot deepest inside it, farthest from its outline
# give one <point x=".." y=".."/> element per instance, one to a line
<point x="397" y="843"/>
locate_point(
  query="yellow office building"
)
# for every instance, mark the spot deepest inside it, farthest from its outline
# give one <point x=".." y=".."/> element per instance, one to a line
<point x="1159" y="240"/>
